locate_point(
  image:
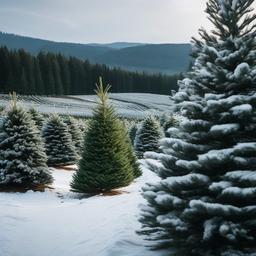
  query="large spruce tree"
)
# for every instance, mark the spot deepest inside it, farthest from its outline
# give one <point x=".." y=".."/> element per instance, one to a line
<point x="107" y="160"/>
<point x="22" y="156"/>
<point x="58" y="142"/>
<point x="205" y="203"/>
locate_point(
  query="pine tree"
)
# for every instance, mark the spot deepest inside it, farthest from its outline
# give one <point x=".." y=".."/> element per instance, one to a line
<point x="24" y="82"/>
<point x="106" y="161"/>
<point x="170" y="122"/>
<point x="11" y="82"/>
<point x="83" y="125"/>
<point x="205" y="202"/>
<point x="134" y="161"/>
<point x="5" y="68"/>
<point x="37" y="118"/>
<point x="64" y="73"/>
<point x="58" y="143"/>
<point x="132" y="132"/>
<point x="22" y="156"/>
<point x="56" y="76"/>
<point x="131" y="154"/>
<point x="147" y="137"/>
<point x="40" y="87"/>
<point x="76" y="133"/>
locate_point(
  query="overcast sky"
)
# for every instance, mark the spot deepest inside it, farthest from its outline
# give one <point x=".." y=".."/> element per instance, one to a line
<point x="87" y="21"/>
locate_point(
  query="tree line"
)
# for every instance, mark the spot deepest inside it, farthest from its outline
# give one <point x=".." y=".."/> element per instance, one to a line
<point x="55" y="74"/>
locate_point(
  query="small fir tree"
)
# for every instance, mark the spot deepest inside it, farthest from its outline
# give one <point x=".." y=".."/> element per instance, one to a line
<point x="134" y="161"/>
<point x="107" y="162"/>
<point x="147" y="137"/>
<point x="76" y="133"/>
<point x="205" y="204"/>
<point x="37" y="118"/>
<point x="132" y="156"/>
<point x="83" y="125"/>
<point x="170" y="122"/>
<point x="22" y="156"/>
<point x="132" y="132"/>
<point x="58" y="143"/>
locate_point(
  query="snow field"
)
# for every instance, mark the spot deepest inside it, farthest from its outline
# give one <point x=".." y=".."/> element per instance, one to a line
<point x="59" y="223"/>
<point x="130" y="105"/>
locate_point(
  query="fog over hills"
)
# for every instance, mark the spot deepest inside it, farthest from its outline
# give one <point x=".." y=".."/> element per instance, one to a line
<point x="154" y="58"/>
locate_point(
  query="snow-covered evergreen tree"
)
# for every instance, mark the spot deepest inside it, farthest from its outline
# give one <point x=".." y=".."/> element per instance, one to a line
<point x="58" y="142"/>
<point x="37" y="118"/>
<point x="132" y="132"/>
<point x="22" y="156"/>
<point x="147" y="136"/>
<point x="83" y="125"/>
<point x="170" y="122"/>
<point x="107" y="160"/>
<point x="205" y="203"/>
<point x="76" y="133"/>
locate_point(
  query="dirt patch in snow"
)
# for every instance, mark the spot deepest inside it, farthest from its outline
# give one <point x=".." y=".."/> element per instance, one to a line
<point x="66" y="168"/>
<point x="22" y="189"/>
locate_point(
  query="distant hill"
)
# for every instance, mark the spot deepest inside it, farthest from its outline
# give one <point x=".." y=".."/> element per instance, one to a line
<point x="118" y="45"/>
<point x="163" y="58"/>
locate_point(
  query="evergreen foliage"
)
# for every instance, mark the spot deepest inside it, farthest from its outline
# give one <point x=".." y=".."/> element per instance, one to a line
<point x="205" y="203"/>
<point x="58" y="142"/>
<point x="37" y="118"/>
<point x="170" y="122"/>
<point x="76" y="133"/>
<point x="131" y="154"/>
<point x="55" y="74"/>
<point x="134" y="161"/>
<point x="83" y="125"/>
<point x="22" y="156"/>
<point x="147" y="137"/>
<point x="132" y="132"/>
<point x="107" y="160"/>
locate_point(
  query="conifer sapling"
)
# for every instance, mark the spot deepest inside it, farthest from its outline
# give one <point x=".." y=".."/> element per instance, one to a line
<point x="107" y="160"/>
<point x="58" y="142"/>
<point x="22" y="156"/>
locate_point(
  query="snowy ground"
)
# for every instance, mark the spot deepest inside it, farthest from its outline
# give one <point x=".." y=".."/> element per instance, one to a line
<point x="133" y="105"/>
<point x="57" y="223"/>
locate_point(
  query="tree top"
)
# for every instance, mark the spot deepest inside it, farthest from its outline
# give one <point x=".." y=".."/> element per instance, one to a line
<point x="102" y="92"/>
<point x="13" y="97"/>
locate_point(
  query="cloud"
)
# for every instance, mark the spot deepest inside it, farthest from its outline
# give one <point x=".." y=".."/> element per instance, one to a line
<point x="104" y="20"/>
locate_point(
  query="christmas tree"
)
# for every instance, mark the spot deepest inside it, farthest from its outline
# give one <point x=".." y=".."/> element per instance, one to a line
<point x="107" y="162"/>
<point x="22" y="156"/>
<point x="132" y="132"/>
<point x="58" y="142"/>
<point x="76" y="133"/>
<point x="205" y="202"/>
<point x="131" y="154"/>
<point x="147" y="136"/>
<point x="170" y="122"/>
<point x="37" y="118"/>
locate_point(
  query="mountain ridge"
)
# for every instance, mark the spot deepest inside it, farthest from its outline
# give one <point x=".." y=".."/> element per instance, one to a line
<point x="141" y="57"/>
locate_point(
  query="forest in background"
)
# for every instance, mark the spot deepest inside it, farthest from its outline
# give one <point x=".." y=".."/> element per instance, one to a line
<point x="151" y="58"/>
<point x="55" y="74"/>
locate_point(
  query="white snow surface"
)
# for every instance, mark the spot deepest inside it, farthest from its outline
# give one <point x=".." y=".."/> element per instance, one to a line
<point x="58" y="223"/>
<point x="240" y="69"/>
<point x="130" y="105"/>
<point x="225" y="128"/>
<point x="241" y="109"/>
